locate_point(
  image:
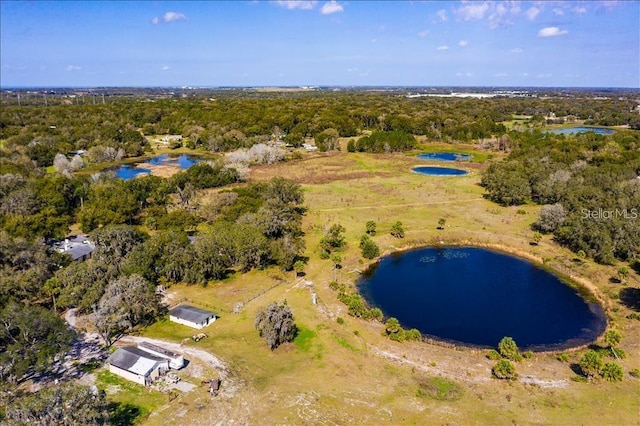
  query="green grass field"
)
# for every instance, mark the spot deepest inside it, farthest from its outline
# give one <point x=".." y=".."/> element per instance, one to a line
<point x="349" y="373"/>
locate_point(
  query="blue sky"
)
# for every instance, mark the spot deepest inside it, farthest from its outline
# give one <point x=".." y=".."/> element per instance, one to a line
<point x="291" y="43"/>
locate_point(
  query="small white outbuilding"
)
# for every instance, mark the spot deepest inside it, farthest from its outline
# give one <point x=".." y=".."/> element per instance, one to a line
<point x="192" y="316"/>
<point x="137" y="365"/>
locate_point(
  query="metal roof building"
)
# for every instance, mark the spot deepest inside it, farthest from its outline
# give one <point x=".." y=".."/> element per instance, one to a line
<point x="191" y="316"/>
<point x="136" y="365"/>
<point x="78" y="247"/>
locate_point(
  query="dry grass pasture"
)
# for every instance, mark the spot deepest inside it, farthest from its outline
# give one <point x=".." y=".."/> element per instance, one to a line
<point x="349" y="373"/>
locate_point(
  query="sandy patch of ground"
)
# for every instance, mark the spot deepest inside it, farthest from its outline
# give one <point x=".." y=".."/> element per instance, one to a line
<point x="161" y="170"/>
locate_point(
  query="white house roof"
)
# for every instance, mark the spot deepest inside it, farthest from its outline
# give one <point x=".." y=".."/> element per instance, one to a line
<point x="191" y="313"/>
<point x="134" y="360"/>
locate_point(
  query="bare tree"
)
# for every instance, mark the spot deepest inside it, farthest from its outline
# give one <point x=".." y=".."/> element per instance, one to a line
<point x="61" y="163"/>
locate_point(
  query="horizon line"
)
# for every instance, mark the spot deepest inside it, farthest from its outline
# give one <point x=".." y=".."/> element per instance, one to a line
<point x="310" y="86"/>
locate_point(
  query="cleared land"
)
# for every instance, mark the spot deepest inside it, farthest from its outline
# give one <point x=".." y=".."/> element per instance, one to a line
<point x="349" y="373"/>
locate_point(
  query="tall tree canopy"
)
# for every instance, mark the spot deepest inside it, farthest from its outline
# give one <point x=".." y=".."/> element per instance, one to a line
<point x="31" y="338"/>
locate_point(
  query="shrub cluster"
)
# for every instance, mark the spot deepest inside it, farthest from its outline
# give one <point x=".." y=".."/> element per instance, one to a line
<point x="395" y="332"/>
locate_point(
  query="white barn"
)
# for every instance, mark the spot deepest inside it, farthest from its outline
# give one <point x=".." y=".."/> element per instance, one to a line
<point x="137" y="365"/>
<point x="176" y="360"/>
<point x="191" y="316"/>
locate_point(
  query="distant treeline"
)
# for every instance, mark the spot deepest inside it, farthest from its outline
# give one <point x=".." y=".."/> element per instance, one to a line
<point x="240" y="119"/>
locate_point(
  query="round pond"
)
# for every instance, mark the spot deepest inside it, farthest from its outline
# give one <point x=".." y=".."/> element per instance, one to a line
<point x="439" y="171"/>
<point x="444" y="156"/>
<point x="582" y="129"/>
<point x="477" y="296"/>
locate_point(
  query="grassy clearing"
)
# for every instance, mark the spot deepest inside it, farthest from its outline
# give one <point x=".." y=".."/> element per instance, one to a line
<point x="133" y="402"/>
<point x="304" y="339"/>
<point x="439" y="389"/>
<point x="349" y="373"/>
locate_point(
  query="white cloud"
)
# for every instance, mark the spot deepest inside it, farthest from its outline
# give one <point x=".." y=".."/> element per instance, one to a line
<point x="580" y="10"/>
<point x="464" y="74"/>
<point x="501" y="74"/>
<point x="608" y="5"/>
<point x="532" y="12"/>
<point x="558" y="11"/>
<point x="72" y="68"/>
<point x="463" y="43"/>
<point x="442" y="14"/>
<point x="165" y="68"/>
<point x="296" y="4"/>
<point x="516" y="50"/>
<point x="472" y="11"/>
<point x="174" y="16"/>
<point x="331" y="7"/>
<point x="169" y="17"/>
<point x="497" y="13"/>
<point x="445" y="47"/>
<point x="423" y="34"/>
<point x="551" y="32"/>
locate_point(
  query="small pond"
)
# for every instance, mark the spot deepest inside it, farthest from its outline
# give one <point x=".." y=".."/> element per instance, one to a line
<point x="129" y="171"/>
<point x="477" y="296"/>
<point x="582" y="129"/>
<point x="444" y="156"/>
<point x="439" y="171"/>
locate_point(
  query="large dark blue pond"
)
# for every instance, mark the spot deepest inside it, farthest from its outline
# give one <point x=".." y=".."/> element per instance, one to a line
<point x="444" y="156"/>
<point x="439" y="171"/>
<point x="130" y="171"/>
<point x="582" y="129"/>
<point x="477" y="296"/>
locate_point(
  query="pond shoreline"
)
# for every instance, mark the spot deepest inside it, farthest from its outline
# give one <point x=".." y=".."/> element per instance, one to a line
<point x="162" y="165"/>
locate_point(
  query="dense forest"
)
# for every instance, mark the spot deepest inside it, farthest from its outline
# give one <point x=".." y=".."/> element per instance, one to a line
<point x="152" y="231"/>
<point x="589" y="185"/>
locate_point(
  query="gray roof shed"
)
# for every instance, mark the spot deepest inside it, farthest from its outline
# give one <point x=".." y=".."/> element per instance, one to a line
<point x="191" y="313"/>
<point x="133" y="359"/>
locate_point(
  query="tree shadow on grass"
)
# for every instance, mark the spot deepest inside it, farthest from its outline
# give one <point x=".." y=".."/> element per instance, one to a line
<point x="575" y="367"/>
<point x="636" y="266"/>
<point x="630" y="297"/>
<point x="123" y="413"/>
